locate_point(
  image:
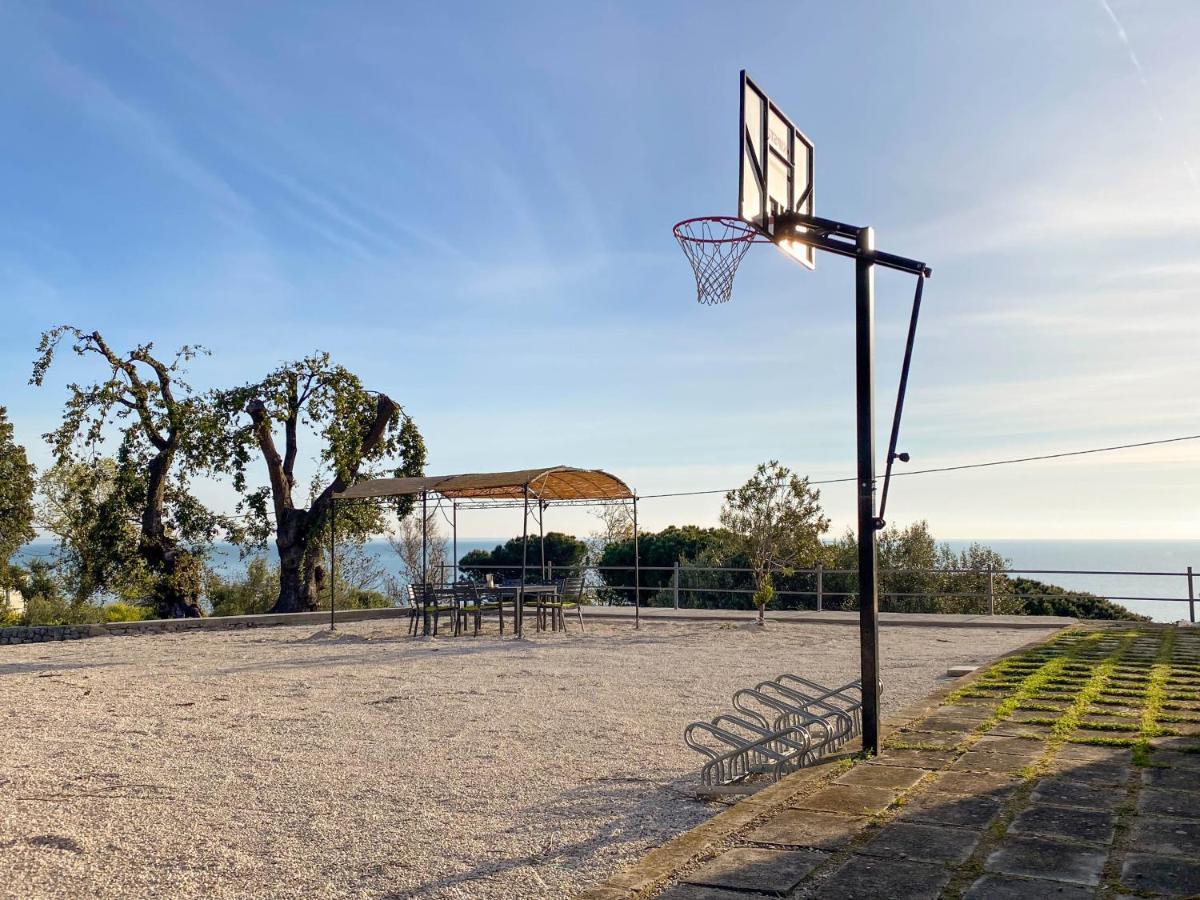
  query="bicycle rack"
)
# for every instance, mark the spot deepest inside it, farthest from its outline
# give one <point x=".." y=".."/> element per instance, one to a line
<point x="779" y="726"/>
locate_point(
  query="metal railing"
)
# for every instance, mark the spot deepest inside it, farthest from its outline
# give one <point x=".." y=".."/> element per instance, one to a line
<point x="687" y="586"/>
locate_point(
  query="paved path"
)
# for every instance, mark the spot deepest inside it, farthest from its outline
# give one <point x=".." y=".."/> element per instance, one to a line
<point x="1071" y="770"/>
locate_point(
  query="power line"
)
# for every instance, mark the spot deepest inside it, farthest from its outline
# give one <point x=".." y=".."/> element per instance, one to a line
<point x="958" y="468"/>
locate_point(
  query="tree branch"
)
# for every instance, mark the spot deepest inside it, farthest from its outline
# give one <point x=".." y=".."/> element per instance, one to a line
<point x="281" y="489"/>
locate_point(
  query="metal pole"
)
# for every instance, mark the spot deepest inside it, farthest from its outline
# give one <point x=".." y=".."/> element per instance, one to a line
<point x="868" y="588"/>
<point x="424" y="562"/>
<point x="820" y="586"/>
<point x="542" y="534"/>
<point x="520" y="625"/>
<point x="675" y="584"/>
<point x="1191" y="598"/>
<point x="637" y="573"/>
<point x="991" y="591"/>
<point x="454" y="531"/>
<point x="332" y="560"/>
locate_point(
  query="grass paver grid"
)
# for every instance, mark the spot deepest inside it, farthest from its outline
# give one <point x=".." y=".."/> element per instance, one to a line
<point x="1102" y="799"/>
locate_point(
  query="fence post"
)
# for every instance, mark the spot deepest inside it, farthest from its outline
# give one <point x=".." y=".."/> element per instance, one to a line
<point x="820" y="586"/>
<point x="1191" y="598"/>
<point x="675" y="585"/>
<point x="991" y="591"/>
<point x="550" y="571"/>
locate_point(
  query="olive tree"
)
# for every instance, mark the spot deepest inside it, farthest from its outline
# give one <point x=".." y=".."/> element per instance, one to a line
<point x="361" y="434"/>
<point x="777" y="522"/>
<point x="16" y="496"/>
<point x="165" y="437"/>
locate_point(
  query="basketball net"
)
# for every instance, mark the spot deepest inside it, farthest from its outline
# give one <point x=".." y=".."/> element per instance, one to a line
<point x="715" y="245"/>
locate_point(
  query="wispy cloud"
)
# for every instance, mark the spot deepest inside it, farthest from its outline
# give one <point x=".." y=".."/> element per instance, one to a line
<point x="1151" y="97"/>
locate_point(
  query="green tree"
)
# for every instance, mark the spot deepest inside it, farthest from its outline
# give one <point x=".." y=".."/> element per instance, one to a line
<point x="82" y="504"/>
<point x="166" y="436"/>
<point x="363" y="434"/>
<point x="252" y="594"/>
<point x="563" y="551"/>
<point x="658" y="551"/>
<point x="16" y="497"/>
<point x="777" y="520"/>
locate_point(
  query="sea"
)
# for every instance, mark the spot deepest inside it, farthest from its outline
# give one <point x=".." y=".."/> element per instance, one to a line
<point x="1147" y="576"/>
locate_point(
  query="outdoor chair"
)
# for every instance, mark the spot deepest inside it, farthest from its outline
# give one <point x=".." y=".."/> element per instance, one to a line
<point x="568" y="596"/>
<point x="414" y="598"/>
<point x="470" y="604"/>
<point x="444" y="601"/>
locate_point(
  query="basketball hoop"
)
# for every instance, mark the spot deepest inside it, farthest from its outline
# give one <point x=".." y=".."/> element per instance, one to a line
<point x="715" y="245"/>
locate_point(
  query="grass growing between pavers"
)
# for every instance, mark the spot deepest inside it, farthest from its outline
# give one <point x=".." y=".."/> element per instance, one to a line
<point x="1156" y="695"/>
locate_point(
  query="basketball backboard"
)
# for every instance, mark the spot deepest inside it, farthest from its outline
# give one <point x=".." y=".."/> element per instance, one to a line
<point x="776" y="167"/>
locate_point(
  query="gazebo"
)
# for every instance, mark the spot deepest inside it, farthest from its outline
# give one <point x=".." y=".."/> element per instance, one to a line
<point x="553" y="486"/>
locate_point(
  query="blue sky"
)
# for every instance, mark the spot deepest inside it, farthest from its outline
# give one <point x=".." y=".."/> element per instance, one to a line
<point x="471" y="205"/>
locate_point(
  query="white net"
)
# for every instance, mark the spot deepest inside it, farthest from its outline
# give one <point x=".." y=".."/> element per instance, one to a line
<point x="715" y="247"/>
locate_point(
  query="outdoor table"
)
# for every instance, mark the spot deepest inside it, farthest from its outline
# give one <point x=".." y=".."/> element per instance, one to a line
<point x="511" y="589"/>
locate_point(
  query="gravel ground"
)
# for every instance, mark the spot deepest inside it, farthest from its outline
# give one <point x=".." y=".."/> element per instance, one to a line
<point x="286" y="762"/>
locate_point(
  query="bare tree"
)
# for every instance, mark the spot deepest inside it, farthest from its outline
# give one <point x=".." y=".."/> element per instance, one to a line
<point x="616" y="524"/>
<point x="406" y="542"/>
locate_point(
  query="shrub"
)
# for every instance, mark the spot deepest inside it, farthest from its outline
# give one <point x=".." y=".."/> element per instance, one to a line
<point x="126" y="612"/>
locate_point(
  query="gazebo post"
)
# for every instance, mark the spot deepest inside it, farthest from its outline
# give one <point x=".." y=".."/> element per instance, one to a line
<point x="332" y="559"/>
<point x="454" y="545"/>
<point x="424" y="564"/>
<point x="520" y="624"/>
<point x="637" y="572"/>
<point x="542" y="534"/>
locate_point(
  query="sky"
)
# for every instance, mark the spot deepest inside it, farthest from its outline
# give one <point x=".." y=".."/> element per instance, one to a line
<point x="471" y="206"/>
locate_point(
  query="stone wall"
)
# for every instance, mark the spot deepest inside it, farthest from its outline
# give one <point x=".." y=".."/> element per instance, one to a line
<point x="35" y="634"/>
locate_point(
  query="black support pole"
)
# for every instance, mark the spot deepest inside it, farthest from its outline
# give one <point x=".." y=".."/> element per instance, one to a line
<point x="637" y="573"/>
<point x="868" y="588"/>
<point x="332" y="560"/>
<point x="424" y="562"/>
<point x="519" y="625"/>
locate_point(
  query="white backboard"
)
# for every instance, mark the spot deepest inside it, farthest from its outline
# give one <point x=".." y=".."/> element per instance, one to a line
<point x="776" y="163"/>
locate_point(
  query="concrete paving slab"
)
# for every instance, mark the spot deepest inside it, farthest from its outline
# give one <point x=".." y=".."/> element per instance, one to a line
<point x="978" y="761"/>
<point x="1176" y="760"/>
<point x="1087" y="825"/>
<point x="895" y="777"/>
<point x="1169" y="837"/>
<point x="1035" y="857"/>
<point x="967" y="712"/>
<point x="808" y="828"/>
<point x="699" y="892"/>
<point x="927" y="843"/>
<point x="916" y="759"/>
<point x="1015" y="746"/>
<point x="1171" y="742"/>
<point x="989" y="784"/>
<point x="757" y="869"/>
<point x="1092" y="772"/>
<point x="1006" y="887"/>
<point x="953" y="724"/>
<point x="1173" y="804"/>
<point x="951" y="809"/>
<point x="1173" y="779"/>
<point x="1062" y="791"/>
<point x="848" y="799"/>
<point x="869" y="878"/>
<point x="1163" y="875"/>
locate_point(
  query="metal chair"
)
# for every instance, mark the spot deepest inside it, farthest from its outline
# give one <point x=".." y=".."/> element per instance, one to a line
<point x="569" y="595"/>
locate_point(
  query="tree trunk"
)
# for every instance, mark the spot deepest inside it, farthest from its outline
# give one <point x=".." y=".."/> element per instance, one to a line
<point x="176" y="570"/>
<point x="297" y="581"/>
